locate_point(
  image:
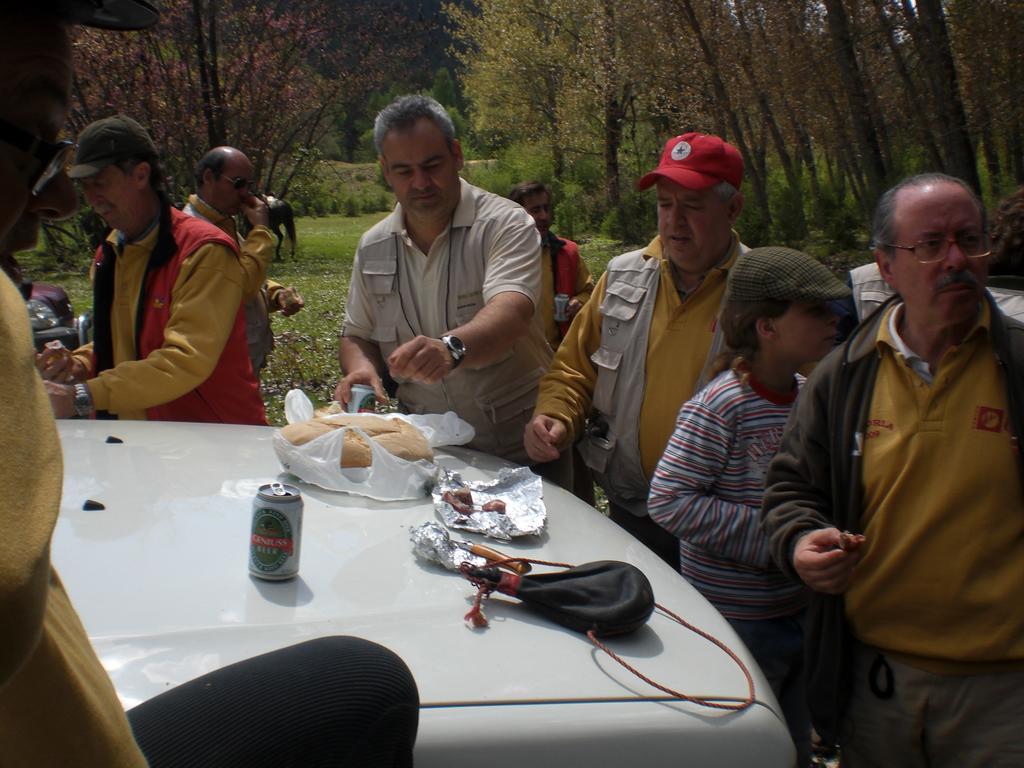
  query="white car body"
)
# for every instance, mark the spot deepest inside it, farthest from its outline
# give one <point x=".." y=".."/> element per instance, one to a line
<point x="160" y="579"/>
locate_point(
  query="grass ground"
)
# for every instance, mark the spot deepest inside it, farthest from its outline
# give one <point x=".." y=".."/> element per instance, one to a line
<point x="305" y="356"/>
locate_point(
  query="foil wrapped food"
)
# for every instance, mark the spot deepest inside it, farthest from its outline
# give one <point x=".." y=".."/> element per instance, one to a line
<point x="520" y="491"/>
<point x="432" y="543"/>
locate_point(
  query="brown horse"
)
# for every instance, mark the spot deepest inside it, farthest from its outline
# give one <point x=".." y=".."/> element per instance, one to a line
<point x="281" y="215"/>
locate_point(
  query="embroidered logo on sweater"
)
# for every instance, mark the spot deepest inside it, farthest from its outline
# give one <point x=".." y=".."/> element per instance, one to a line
<point x="989" y="419"/>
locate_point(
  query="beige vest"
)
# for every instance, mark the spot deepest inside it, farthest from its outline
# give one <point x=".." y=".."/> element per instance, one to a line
<point x="610" y="443"/>
<point x="496" y="400"/>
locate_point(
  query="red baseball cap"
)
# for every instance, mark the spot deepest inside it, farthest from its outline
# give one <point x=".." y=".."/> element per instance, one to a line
<point x="697" y="161"/>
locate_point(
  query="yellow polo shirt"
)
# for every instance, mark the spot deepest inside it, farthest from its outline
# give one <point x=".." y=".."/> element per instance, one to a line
<point x="943" y="514"/>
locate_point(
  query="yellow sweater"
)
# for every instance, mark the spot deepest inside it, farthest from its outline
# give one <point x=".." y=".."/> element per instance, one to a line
<point x="206" y="297"/>
<point x="255" y="252"/>
<point x="680" y="337"/>
<point x="57" y="705"/>
<point x="944" y="515"/>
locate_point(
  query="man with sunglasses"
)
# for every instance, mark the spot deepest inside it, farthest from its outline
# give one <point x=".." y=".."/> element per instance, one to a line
<point x="898" y="498"/>
<point x="343" y="700"/>
<point x="224" y="189"/>
<point x="169" y="328"/>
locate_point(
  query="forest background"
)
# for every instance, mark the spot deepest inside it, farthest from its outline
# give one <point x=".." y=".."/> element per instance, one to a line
<point x="828" y="101"/>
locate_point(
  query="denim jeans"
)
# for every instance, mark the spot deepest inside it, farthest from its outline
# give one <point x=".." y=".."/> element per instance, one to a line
<point x="778" y="647"/>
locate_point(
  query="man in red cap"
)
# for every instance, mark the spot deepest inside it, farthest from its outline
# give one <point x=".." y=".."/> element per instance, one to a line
<point x="643" y="344"/>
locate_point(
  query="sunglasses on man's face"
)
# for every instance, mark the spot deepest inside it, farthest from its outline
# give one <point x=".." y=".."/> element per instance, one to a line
<point x="240" y="182"/>
<point x="48" y="159"/>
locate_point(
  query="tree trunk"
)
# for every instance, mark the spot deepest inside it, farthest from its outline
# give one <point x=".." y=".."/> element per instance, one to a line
<point x="768" y="114"/>
<point x="204" y="75"/>
<point x="995" y="175"/>
<point x="1015" y="153"/>
<point x="614" y="114"/>
<point x="726" y="112"/>
<point x="806" y="148"/>
<point x="915" y="107"/>
<point x="220" y="136"/>
<point x="857" y="100"/>
<point x="939" y="60"/>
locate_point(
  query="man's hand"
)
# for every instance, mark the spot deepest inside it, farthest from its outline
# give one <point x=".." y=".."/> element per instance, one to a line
<point x="542" y="437"/>
<point x="256" y="211"/>
<point x="824" y="559"/>
<point x="369" y="377"/>
<point x="574" y="306"/>
<point x="57" y="364"/>
<point x="289" y="301"/>
<point x="62" y="399"/>
<point x="422" y="359"/>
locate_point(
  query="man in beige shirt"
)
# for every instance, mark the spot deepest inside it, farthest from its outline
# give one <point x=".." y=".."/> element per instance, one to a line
<point x="444" y="290"/>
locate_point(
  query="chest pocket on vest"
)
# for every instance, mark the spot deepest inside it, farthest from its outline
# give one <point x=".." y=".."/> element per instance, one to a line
<point x="379" y="277"/>
<point x="621" y="302"/>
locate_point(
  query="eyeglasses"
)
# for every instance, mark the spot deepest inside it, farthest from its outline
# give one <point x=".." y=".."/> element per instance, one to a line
<point x="49" y="160"/>
<point x="933" y="249"/>
<point x="238" y="182"/>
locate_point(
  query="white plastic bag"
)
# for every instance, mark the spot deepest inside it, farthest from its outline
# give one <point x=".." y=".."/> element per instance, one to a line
<point x="388" y="478"/>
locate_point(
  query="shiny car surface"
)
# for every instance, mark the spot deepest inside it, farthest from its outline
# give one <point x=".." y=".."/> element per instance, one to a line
<point x="157" y="568"/>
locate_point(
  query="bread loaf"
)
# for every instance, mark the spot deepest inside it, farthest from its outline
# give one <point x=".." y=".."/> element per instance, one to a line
<point x="397" y="436"/>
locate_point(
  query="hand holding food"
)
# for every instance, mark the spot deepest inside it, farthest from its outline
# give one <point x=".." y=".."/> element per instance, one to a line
<point x="822" y="561"/>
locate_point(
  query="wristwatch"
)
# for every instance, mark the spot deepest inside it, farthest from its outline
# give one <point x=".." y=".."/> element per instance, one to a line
<point x="455" y="348"/>
<point x="83" y="401"/>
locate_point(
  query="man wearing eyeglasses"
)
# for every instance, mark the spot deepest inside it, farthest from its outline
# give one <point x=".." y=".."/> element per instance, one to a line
<point x="898" y="498"/>
<point x="169" y="328"/>
<point x="870" y="291"/>
<point x="57" y="705"/>
<point x="224" y="189"/>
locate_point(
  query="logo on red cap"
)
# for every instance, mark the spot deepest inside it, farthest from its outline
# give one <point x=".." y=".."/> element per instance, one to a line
<point x="681" y="151"/>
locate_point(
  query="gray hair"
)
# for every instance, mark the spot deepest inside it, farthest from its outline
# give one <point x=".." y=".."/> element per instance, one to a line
<point x="404" y="112"/>
<point x="725" y="191"/>
<point x="882" y="227"/>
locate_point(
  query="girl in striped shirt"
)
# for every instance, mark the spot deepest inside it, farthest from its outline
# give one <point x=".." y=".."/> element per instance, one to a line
<point x="708" y="485"/>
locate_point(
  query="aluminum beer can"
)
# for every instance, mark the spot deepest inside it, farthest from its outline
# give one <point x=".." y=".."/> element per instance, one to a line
<point x="276" y="537"/>
<point x="362" y="399"/>
<point x="561" y="304"/>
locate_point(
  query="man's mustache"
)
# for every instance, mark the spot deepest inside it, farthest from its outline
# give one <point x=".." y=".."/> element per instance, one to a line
<point x="962" y="277"/>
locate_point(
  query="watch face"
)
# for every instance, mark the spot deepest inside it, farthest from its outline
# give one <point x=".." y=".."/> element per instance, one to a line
<point x="454" y="343"/>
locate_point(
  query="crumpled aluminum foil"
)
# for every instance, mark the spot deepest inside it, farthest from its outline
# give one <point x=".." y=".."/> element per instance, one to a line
<point x="431" y="542"/>
<point x="520" y="489"/>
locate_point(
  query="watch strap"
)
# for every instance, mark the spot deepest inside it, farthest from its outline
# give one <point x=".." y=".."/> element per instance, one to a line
<point x="83" y="401"/>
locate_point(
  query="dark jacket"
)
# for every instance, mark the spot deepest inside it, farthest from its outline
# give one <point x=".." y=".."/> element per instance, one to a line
<point x="814" y="481"/>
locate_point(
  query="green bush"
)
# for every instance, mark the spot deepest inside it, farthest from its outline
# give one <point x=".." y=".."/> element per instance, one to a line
<point x="753" y="225"/>
<point x="789" y="223"/>
<point x="634" y="219"/>
<point x="843" y="227"/>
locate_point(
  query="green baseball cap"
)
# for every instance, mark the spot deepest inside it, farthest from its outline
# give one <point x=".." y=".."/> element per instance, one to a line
<point x="781" y="274"/>
<point x="108" y="141"/>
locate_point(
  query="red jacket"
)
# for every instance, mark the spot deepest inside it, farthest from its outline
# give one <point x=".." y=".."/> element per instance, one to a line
<point x="565" y="261"/>
<point x="230" y="394"/>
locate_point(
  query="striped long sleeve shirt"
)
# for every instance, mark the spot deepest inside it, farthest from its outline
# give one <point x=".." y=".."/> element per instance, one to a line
<point x="707" y="490"/>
